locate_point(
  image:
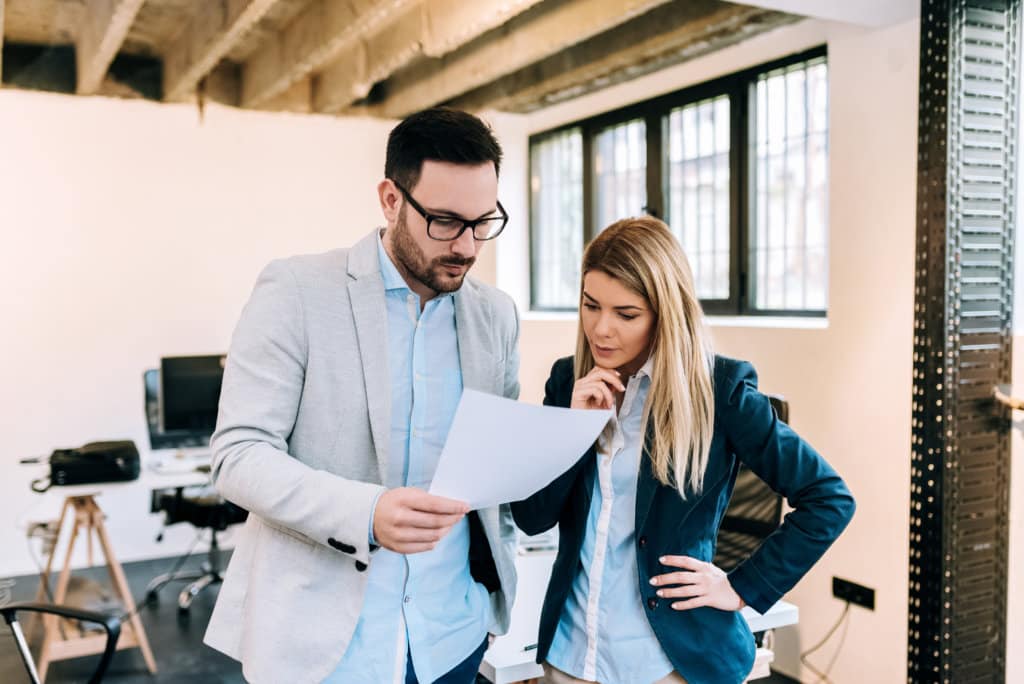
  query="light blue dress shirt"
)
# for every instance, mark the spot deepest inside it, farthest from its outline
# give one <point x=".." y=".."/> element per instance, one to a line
<point x="426" y="602"/>
<point x="603" y="634"/>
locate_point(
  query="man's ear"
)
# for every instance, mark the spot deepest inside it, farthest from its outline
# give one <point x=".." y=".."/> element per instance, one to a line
<point x="390" y="200"/>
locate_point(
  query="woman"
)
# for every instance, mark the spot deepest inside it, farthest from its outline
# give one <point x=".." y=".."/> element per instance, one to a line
<point x="633" y="596"/>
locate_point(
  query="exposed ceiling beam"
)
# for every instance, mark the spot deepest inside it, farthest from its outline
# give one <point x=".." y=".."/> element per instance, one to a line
<point x="433" y="29"/>
<point x="315" y="38"/>
<point x="550" y="27"/>
<point x="667" y="35"/>
<point x="104" y="26"/>
<point x="210" y="35"/>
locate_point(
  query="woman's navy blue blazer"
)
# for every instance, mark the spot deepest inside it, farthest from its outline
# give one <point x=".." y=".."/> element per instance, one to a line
<point x="705" y="645"/>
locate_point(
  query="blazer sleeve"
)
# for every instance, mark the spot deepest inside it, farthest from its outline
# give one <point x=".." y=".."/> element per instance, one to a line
<point x="822" y="503"/>
<point x="259" y="402"/>
<point x="541" y="511"/>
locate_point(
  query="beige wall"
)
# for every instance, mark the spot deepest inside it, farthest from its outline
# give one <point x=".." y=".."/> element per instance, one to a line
<point x="849" y="383"/>
<point x="129" y="232"/>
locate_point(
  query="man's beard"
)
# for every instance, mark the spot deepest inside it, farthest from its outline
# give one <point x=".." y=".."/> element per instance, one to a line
<point x="414" y="261"/>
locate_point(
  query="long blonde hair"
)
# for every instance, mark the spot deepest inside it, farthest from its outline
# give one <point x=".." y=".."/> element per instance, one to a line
<point x="642" y="254"/>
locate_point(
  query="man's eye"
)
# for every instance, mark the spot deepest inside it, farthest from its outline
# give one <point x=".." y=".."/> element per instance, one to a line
<point x="444" y="222"/>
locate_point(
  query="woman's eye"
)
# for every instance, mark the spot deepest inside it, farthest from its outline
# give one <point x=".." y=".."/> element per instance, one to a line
<point x="590" y="307"/>
<point x="628" y="318"/>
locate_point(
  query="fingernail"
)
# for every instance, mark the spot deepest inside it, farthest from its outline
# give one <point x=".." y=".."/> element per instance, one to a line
<point x="660" y="592"/>
<point x="654" y="580"/>
<point x="663" y="559"/>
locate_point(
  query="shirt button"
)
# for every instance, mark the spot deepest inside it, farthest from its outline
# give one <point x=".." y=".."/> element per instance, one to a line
<point x="652" y="603"/>
<point x="408" y="599"/>
<point x="642" y="542"/>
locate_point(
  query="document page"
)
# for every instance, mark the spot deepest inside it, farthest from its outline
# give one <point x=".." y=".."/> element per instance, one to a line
<point x="500" y="450"/>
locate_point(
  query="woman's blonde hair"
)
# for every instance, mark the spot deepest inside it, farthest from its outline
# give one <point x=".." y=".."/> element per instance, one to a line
<point x="642" y="254"/>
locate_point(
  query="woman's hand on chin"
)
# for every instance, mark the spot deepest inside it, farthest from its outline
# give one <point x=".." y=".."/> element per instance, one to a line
<point x="597" y="389"/>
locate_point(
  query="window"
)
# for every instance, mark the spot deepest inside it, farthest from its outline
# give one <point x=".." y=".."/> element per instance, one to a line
<point x="620" y="172"/>
<point x="556" y="203"/>
<point x="737" y="167"/>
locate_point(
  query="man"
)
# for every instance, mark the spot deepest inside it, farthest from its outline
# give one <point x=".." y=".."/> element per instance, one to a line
<point x="341" y="384"/>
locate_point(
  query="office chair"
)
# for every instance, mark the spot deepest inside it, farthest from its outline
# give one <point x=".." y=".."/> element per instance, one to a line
<point x="203" y="510"/>
<point x="754" y="510"/>
<point x="111" y="625"/>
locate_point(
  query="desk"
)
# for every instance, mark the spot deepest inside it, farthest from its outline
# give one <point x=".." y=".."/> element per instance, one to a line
<point x="80" y="502"/>
<point x="507" y="661"/>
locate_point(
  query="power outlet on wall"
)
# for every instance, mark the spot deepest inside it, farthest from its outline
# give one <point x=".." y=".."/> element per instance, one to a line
<point x="857" y="594"/>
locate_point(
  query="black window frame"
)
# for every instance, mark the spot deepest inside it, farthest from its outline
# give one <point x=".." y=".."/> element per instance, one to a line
<point x="738" y="86"/>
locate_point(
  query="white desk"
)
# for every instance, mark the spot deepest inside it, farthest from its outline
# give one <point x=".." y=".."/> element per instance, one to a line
<point x="508" y="660"/>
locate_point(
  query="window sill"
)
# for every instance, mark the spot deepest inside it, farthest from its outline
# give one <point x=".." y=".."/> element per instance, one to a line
<point x="792" y="322"/>
<point x="548" y="316"/>
<point x="780" y="322"/>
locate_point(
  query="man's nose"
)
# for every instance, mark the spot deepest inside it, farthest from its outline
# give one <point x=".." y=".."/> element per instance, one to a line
<point x="465" y="245"/>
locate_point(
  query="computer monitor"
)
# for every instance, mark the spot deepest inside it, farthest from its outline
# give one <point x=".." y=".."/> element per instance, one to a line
<point x="181" y="400"/>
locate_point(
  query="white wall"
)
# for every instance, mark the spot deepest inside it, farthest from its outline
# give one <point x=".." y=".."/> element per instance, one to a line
<point x="848" y="383"/>
<point x="131" y="231"/>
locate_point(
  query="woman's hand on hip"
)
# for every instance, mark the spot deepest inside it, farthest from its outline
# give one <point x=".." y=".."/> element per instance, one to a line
<point x="597" y="389"/>
<point x="696" y="584"/>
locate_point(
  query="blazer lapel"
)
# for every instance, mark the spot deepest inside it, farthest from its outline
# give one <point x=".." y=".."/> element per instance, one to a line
<point x="646" y="486"/>
<point x="369" y="310"/>
<point x="472" y="328"/>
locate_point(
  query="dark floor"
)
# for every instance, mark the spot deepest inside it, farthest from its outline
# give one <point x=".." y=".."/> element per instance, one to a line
<point x="176" y="639"/>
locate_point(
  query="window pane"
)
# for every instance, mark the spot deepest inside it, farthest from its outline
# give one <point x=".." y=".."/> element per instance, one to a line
<point x="698" y="190"/>
<point x="789" y="241"/>
<point x="556" y="218"/>
<point x="620" y="173"/>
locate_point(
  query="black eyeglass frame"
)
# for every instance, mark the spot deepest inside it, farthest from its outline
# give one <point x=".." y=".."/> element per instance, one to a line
<point x="466" y="223"/>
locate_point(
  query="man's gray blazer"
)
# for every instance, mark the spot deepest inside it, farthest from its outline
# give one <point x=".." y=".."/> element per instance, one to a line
<point x="302" y="442"/>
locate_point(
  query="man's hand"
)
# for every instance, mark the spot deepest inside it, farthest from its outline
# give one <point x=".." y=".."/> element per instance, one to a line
<point x="408" y="520"/>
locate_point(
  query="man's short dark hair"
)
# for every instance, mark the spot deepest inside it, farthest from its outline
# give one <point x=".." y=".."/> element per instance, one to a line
<point x="439" y="134"/>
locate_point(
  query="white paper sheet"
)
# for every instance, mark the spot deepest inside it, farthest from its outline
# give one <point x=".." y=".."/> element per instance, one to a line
<point x="499" y="450"/>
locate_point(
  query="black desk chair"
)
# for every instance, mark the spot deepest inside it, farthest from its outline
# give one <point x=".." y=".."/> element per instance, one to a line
<point x="203" y="511"/>
<point x="754" y="511"/>
<point x="110" y="624"/>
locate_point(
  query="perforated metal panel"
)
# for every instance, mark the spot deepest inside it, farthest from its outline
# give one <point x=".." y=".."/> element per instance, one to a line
<point x="962" y="341"/>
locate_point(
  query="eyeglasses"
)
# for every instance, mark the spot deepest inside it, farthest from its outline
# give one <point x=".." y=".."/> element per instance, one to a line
<point x="448" y="228"/>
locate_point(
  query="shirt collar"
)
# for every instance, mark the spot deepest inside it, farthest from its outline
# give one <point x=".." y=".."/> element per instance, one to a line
<point x="646" y="369"/>
<point x="393" y="280"/>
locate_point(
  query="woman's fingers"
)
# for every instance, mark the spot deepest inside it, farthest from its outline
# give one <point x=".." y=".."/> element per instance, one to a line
<point x="593" y="394"/>
<point x="607" y="376"/>
<point x="687" y="577"/>
<point x="697" y="602"/>
<point x="685" y="591"/>
<point x="684" y="562"/>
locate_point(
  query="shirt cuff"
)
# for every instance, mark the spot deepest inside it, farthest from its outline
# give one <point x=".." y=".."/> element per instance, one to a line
<point x="373" y="510"/>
